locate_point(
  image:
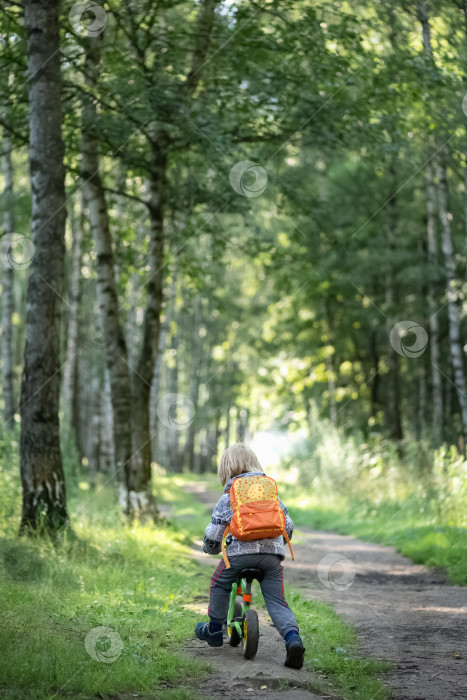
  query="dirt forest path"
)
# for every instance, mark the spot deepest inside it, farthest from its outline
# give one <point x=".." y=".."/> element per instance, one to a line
<point x="405" y="613"/>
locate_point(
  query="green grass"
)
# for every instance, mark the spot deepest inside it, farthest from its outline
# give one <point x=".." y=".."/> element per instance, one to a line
<point x="135" y="581"/>
<point x="412" y="525"/>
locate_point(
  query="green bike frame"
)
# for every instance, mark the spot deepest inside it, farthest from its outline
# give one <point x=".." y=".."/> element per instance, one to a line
<point x="242" y="588"/>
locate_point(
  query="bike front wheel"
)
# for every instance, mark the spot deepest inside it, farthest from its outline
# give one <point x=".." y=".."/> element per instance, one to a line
<point x="250" y="634"/>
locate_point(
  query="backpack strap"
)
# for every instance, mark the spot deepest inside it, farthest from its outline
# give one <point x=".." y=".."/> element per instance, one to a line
<point x="224" y="555"/>
<point x="288" y="542"/>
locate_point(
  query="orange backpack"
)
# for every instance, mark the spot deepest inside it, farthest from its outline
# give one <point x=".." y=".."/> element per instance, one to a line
<point x="257" y="513"/>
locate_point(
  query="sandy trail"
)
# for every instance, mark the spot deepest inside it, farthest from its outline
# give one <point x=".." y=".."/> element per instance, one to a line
<point x="402" y="612"/>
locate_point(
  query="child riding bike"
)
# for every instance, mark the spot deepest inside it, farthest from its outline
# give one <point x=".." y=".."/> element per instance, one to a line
<point x="266" y="554"/>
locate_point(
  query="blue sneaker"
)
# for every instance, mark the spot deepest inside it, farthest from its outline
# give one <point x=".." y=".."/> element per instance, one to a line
<point x="214" y="639"/>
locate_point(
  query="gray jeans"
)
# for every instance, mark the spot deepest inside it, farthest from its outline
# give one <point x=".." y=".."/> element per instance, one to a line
<point x="272" y="588"/>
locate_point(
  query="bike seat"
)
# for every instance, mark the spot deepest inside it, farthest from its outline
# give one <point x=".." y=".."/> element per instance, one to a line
<point x="250" y="574"/>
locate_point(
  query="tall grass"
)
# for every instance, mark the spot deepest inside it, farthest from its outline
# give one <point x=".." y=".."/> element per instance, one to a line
<point x="417" y="503"/>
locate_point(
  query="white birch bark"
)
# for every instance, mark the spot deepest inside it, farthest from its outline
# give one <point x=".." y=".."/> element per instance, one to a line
<point x="8" y="292"/>
<point x="453" y="314"/>
<point x="436" y="377"/>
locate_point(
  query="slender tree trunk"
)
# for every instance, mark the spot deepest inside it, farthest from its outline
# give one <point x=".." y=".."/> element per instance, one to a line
<point x="95" y="437"/>
<point x="241" y="426"/>
<point x="420" y="423"/>
<point x="393" y="390"/>
<point x="107" y="426"/>
<point x="7" y="292"/>
<point x="44" y="494"/>
<point x="453" y="315"/>
<point x="375" y="379"/>
<point x="115" y="345"/>
<point x="174" y="435"/>
<point x="196" y="359"/>
<point x="227" y="427"/>
<point x="70" y="370"/>
<point x="436" y="377"/>
<point x="155" y="392"/>
<point x="140" y="477"/>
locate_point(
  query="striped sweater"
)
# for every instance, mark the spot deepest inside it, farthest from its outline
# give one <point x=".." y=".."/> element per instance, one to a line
<point x="221" y="517"/>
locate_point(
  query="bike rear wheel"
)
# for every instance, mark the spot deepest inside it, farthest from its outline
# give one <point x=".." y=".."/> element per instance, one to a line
<point x="233" y="635"/>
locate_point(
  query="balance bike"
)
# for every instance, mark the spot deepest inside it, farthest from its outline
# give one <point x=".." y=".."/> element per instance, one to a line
<point x="242" y="621"/>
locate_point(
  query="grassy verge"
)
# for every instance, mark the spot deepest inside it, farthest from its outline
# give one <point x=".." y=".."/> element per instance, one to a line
<point x="133" y="581"/>
<point x="411" y="525"/>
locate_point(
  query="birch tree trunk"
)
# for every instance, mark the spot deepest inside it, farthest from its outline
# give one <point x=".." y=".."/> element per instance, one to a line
<point x="108" y="451"/>
<point x="436" y="378"/>
<point x="375" y="376"/>
<point x="196" y="359"/>
<point x="453" y="315"/>
<point x="173" y="435"/>
<point x="393" y="389"/>
<point x="7" y="292"/>
<point x="94" y="448"/>
<point x="227" y="427"/>
<point x="140" y="482"/>
<point x="115" y="345"/>
<point x="70" y="392"/>
<point x="44" y="494"/>
<point x="155" y="392"/>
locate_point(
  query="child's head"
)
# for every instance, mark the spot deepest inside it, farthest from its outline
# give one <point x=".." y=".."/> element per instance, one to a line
<point x="236" y="460"/>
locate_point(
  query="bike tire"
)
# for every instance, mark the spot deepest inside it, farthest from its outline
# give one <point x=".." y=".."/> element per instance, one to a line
<point x="250" y="636"/>
<point x="234" y="637"/>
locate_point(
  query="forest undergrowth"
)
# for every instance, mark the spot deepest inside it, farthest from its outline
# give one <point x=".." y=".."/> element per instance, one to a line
<point x="415" y="500"/>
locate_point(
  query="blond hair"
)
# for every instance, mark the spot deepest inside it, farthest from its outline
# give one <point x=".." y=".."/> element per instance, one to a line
<point x="237" y="459"/>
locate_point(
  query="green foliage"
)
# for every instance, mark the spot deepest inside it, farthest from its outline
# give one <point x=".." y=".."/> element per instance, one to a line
<point x="362" y="488"/>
